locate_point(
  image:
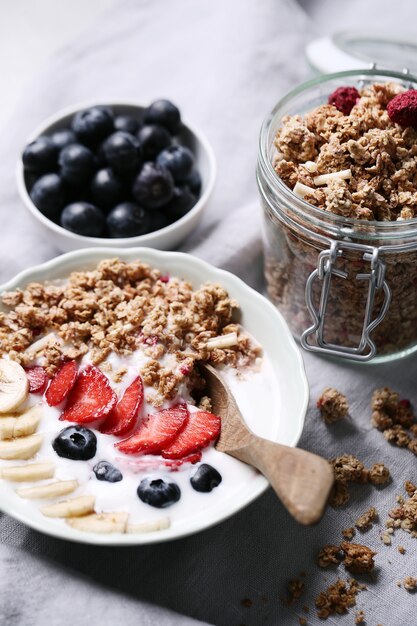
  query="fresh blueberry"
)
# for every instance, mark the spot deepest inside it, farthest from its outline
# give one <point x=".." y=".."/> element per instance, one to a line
<point x="153" y="187"/>
<point x="126" y="123"/>
<point x="153" y="139"/>
<point x="40" y="156"/>
<point x="76" y="443"/>
<point x="76" y="164"/>
<point x="128" y="220"/>
<point x="158" y="220"/>
<point x="182" y="201"/>
<point x="194" y="183"/>
<point x="179" y="160"/>
<point x="63" y="137"/>
<point x="158" y="493"/>
<point x="205" y="478"/>
<point x="165" y="113"/>
<point x="123" y="152"/>
<point x="106" y="471"/>
<point x="48" y="195"/>
<point x="84" y="219"/>
<point x="93" y="125"/>
<point x="106" y="189"/>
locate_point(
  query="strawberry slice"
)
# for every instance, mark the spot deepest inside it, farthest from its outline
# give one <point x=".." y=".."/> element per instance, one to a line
<point x="202" y="428"/>
<point x="156" y="432"/>
<point x="123" y="417"/>
<point x="37" y="378"/>
<point x="62" y="383"/>
<point x="91" y="397"/>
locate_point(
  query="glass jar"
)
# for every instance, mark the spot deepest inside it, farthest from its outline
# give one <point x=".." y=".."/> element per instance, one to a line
<point x="346" y="287"/>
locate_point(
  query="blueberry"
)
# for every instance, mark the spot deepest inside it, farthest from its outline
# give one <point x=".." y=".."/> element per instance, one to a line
<point x="153" y="139"/>
<point x="93" y="125"/>
<point x="181" y="202"/>
<point x="76" y="443"/>
<point x="127" y="123"/>
<point x="194" y="183"/>
<point x="205" y="478"/>
<point x="128" y="220"/>
<point x="84" y="219"/>
<point x="106" y="471"/>
<point x="76" y="163"/>
<point x="63" y="137"/>
<point x="158" y="220"/>
<point x="165" y="113"/>
<point x="122" y="152"/>
<point x="40" y="156"/>
<point x="106" y="189"/>
<point x="179" y="160"/>
<point x="153" y="187"/>
<point x="158" y="493"/>
<point x="48" y="195"/>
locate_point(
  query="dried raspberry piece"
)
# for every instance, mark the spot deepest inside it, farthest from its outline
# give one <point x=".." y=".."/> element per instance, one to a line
<point x="402" y="109"/>
<point x="344" y="99"/>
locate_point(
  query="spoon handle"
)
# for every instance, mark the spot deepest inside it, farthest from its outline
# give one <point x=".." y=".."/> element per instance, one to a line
<point x="301" y="480"/>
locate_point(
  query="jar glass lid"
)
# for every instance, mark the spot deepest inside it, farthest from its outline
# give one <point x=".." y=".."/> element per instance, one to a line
<point x="360" y="49"/>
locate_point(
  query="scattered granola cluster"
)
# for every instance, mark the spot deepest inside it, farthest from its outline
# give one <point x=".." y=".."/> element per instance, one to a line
<point x="395" y="418"/>
<point x="374" y="160"/>
<point x="333" y="405"/>
<point x="348" y="469"/>
<point x="339" y="597"/>
<point x="410" y="583"/>
<point x="358" y="559"/>
<point x="118" y="307"/>
<point x="360" y="165"/>
<point x="404" y="515"/>
<point x="365" y="521"/>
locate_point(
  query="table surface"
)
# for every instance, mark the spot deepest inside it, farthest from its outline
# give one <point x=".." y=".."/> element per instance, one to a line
<point x="226" y="65"/>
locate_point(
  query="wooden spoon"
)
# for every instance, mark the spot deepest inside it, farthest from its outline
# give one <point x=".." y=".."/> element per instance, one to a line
<point x="301" y="480"/>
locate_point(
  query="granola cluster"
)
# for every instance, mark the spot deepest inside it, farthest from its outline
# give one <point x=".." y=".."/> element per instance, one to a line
<point x="348" y="469"/>
<point x="404" y="516"/>
<point x="333" y="405"/>
<point x="357" y="558"/>
<point x="338" y="598"/>
<point x="120" y="307"/>
<point x="376" y="159"/>
<point x="395" y="418"/>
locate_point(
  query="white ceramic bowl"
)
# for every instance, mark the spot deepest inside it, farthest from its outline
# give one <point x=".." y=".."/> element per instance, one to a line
<point x="265" y="324"/>
<point x="165" y="238"/>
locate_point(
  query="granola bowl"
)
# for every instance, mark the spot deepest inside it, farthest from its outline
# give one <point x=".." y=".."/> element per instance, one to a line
<point x="164" y="238"/>
<point x="273" y="396"/>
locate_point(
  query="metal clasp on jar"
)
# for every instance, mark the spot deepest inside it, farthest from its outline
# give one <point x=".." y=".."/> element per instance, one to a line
<point x="366" y="348"/>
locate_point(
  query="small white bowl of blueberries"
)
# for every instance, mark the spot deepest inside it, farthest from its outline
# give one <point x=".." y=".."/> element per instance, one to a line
<point x="117" y="174"/>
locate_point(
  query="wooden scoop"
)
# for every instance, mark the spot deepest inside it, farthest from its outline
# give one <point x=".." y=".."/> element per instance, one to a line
<point x="301" y="480"/>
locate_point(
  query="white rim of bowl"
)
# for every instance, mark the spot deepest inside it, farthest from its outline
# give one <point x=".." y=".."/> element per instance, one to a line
<point x="138" y="239"/>
<point x="260" y="483"/>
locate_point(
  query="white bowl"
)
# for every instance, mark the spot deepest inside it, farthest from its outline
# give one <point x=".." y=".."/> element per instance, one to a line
<point x="265" y="324"/>
<point x="165" y="238"/>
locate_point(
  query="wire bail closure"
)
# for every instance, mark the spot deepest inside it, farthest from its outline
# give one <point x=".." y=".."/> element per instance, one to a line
<point x="366" y="348"/>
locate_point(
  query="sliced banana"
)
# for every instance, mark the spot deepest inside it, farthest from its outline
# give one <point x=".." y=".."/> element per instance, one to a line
<point x="100" y="523"/>
<point x="149" y="527"/>
<point x="50" y="490"/>
<point x="22" y="425"/>
<point x="75" y="507"/>
<point x="26" y="473"/>
<point x="14" y="385"/>
<point x="21" y="448"/>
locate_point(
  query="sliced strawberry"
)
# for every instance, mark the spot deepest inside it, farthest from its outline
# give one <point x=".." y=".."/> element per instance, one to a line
<point x="156" y="432"/>
<point x="202" y="428"/>
<point x="123" y="417"/>
<point x="62" y="383"/>
<point x="37" y="378"/>
<point x="91" y="397"/>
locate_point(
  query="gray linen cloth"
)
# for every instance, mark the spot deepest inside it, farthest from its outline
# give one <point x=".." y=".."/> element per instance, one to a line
<point x="225" y="64"/>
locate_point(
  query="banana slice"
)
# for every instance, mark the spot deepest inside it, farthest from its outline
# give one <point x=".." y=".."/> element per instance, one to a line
<point x="75" y="507"/>
<point x="149" y="527"/>
<point x="22" y="448"/>
<point x="100" y="523"/>
<point x="26" y="473"/>
<point x="21" y="425"/>
<point x="14" y="386"/>
<point x="50" y="490"/>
